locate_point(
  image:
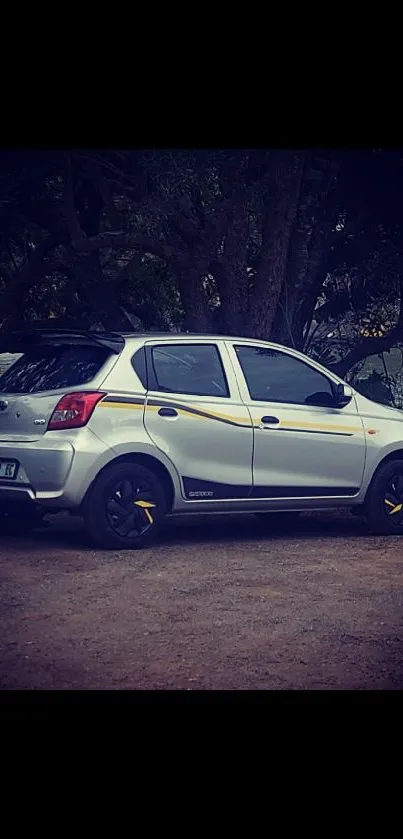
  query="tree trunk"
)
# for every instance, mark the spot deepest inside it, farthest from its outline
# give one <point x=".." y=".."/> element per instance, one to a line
<point x="198" y="317"/>
<point x="309" y="238"/>
<point x="278" y="224"/>
<point x="231" y="274"/>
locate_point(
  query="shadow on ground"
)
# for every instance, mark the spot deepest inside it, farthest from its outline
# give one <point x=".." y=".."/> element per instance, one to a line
<point x="65" y="530"/>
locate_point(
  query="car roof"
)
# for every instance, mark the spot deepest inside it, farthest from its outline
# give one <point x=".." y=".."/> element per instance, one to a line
<point x="184" y="336"/>
<point x="113" y="339"/>
<point x="142" y="337"/>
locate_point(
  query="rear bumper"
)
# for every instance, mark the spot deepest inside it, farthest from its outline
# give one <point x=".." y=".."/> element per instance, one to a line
<point x="54" y="472"/>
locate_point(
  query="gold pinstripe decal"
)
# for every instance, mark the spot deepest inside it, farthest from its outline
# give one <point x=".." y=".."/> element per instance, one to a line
<point x="205" y="415"/>
<point x="131" y="406"/>
<point x="199" y="414"/>
<point x="154" y="405"/>
<point x="347" y="429"/>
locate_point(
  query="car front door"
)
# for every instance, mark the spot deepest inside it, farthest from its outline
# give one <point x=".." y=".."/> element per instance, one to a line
<point x="301" y="449"/>
<point x="195" y="415"/>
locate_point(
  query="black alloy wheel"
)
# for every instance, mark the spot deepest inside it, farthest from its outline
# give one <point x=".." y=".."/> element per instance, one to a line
<point x="130" y="508"/>
<point x="384" y="502"/>
<point x="125" y="506"/>
<point x="393" y="501"/>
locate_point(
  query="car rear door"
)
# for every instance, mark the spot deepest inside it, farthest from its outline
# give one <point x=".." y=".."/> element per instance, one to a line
<point x="300" y="449"/>
<point x="195" y="415"/>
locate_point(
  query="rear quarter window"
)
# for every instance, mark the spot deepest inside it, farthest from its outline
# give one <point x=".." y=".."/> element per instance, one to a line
<point x="139" y="366"/>
<point x="52" y="368"/>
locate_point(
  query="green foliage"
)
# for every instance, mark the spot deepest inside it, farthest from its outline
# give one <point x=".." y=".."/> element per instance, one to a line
<point x="303" y="247"/>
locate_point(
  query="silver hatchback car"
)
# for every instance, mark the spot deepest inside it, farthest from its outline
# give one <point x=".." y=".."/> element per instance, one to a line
<point x="125" y="429"/>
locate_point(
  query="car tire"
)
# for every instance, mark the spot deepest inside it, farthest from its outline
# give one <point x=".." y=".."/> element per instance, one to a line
<point x="384" y="503"/>
<point x="125" y="507"/>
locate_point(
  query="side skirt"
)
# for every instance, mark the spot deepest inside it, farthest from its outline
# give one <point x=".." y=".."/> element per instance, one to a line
<point x="199" y="490"/>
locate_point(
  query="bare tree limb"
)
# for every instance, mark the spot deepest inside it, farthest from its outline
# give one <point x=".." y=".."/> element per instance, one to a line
<point x="130" y="241"/>
<point x="10" y="253"/>
<point x="373" y="346"/>
<point x="126" y="271"/>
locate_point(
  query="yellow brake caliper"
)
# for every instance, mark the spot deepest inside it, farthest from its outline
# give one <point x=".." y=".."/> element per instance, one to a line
<point x="146" y="506"/>
<point x="395" y="508"/>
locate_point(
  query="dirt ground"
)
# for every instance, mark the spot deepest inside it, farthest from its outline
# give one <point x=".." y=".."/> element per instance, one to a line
<point x="217" y="603"/>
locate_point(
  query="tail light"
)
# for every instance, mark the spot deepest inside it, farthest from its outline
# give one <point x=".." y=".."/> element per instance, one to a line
<point x="74" y="410"/>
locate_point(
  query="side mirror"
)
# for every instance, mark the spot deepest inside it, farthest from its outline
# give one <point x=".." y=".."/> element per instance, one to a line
<point x="342" y="395"/>
<point x="320" y="400"/>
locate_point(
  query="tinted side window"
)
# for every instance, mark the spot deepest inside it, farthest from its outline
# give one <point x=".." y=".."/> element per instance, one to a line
<point x="189" y="368"/>
<point x="273" y="376"/>
<point x="51" y="368"/>
<point x="139" y="365"/>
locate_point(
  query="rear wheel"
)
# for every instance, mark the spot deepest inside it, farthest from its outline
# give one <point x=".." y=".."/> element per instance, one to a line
<point x="384" y="506"/>
<point x="125" y="507"/>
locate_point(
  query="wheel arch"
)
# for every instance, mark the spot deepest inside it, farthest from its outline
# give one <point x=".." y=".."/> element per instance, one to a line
<point x="397" y="454"/>
<point x="150" y="462"/>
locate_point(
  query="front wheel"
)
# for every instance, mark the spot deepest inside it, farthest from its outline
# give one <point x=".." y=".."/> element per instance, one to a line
<point x="384" y="506"/>
<point x="125" y="507"/>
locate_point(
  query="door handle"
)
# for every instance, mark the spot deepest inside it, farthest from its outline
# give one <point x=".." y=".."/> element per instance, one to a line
<point x="167" y="412"/>
<point x="270" y="420"/>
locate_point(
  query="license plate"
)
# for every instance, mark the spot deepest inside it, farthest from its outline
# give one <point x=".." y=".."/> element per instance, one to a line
<point x="7" y="469"/>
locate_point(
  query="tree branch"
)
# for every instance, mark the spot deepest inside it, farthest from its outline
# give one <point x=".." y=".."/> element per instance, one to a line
<point x="372" y="346"/>
<point x="125" y="272"/>
<point x="10" y="253"/>
<point x="131" y="241"/>
<point x="281" y="208"/>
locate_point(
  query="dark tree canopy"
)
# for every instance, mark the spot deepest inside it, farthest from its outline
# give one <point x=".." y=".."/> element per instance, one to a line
<point x="300" y="246"/>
